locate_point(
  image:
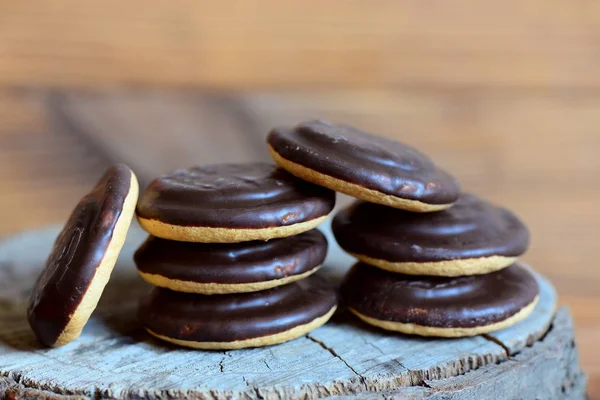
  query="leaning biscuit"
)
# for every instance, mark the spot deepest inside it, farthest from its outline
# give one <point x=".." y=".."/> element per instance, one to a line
<point x="359" y="164"/>
<point x="84" y="255"/>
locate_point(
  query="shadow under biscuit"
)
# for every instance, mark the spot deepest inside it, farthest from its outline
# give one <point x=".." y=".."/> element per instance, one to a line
<point x="119" y="303"/>
<point x="14" y="330"/>
<point x="21" y="337"/>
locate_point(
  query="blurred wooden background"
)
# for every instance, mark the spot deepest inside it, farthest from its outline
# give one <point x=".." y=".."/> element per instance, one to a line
<point x="504" y="94"/>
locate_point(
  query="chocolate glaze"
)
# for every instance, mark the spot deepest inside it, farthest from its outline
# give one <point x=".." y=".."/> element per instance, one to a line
<point x="232" y="263"/>
<point x="463" y="302"/>
<point x="354" y="156"/>
<point x="231" y="317"/>
<point x="245" y="196"/>
<point x="77" y="253"/>
<point x="472" y="228"/>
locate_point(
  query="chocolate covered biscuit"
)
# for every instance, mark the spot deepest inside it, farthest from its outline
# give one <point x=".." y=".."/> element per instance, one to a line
<point x="440" y="306"/>
<point x="366" y="166"/>
<point x="82" y="259"/>
<point x="234" y="321"/>
<point x="230" y="203"/>
<point x="218" y="268"/>
<point x="472" y="237"/>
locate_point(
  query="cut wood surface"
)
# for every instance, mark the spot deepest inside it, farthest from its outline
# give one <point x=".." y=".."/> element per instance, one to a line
<point x="115" y="358"/>
<point x="533" y="151"/>
<point x="274" y="44"/>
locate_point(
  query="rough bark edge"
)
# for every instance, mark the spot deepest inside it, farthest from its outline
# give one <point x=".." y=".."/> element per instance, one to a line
<point x="547" y="369"/>
<point x="572" y="386"/>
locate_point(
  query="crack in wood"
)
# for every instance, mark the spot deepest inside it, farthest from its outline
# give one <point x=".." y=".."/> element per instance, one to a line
<point x="17" y="386"/>
<point x="221" y="367"/>
<point x="543" y="337"/>
<point x="258" y="394"/>
<point x="336" y="355"/>
<point x="417" y="378"/>
<point x="369" y="343"/>
<point x="531" y="340"/>
<point x="364" y="372"/>
<point x="498" y="342"/>
<point x="267" y="365"/>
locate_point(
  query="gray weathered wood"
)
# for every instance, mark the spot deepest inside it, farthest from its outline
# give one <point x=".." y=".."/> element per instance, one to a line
<point x="115" y="358"/>
<point x="547" y="370"/>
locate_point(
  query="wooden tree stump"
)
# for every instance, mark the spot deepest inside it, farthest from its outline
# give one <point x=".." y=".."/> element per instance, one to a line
<point x="114" y="358"/>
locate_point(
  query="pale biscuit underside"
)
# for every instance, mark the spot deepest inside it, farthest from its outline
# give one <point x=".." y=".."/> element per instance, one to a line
<point x="353" y="189"/>
<point x="178" y="285"/>
<point x="421" y="330"/>
<point x="458" y="267"/>
<point x="201" y="234"/>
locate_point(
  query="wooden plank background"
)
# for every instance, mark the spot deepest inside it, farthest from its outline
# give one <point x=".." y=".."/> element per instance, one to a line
<point x="504" y="94"/>
<point x="270" y="43"/>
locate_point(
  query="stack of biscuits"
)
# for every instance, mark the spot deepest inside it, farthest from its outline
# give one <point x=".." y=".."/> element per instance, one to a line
<point x="433" y="261"/>
<point x="232" y="247"/>
<point x="230" y="253"/>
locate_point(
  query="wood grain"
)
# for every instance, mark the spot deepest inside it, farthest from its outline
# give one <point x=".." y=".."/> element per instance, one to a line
<point x="114" y="358"/>
<point x="275" y="44"/>
<point x="533" y="151"/>
<point x="504" y="94"/>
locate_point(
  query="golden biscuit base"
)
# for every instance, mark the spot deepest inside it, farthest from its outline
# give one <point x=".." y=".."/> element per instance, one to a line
<point x="177" y="285"/>
<point x="353" y="189"/>
<point x="90" y="300"/>
<point x="421" y="330"/>
<point x="201" y="234"/>
<point x="262" y="341"/>
<point x="459" y="267"/>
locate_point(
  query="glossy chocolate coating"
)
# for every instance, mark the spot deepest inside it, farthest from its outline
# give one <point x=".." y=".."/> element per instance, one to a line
<point x="472" y="228"/>
<point x="246" y="262"/>
<point x="462" y="302"/>
<point x="244" y="196"/>
<point x="374" y="162"/>
<point x="77" y="253"/>
<point x="231" y="317"/>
